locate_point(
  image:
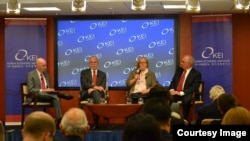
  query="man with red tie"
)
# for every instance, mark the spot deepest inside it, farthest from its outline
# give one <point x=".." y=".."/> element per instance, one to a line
<point x="38" y="83"/>
<point x="93" y="81"/>
<point x="93" y="84"/>
<point x="185" y="82"/>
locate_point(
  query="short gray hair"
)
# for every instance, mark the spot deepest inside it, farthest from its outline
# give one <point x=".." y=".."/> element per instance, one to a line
<point x="74" y="122"/>
<point x="216" y="91"/>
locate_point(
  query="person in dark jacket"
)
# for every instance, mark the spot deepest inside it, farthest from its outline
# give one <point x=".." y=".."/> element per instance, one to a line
<point x="185" y="83"/>
<point x="74" y="125"/>
<point x="161" y="111"/>
<point x="211" y="110"/>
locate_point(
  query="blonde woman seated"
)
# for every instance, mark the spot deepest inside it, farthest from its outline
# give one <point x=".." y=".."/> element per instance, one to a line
<point x="140" y="80"/>
<point x="236" y="116"/>
<point x="211" y="110"/>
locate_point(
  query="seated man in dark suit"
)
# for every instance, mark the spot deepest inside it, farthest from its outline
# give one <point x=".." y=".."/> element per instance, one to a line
<point x="93" y="81"/>
<point x="93" y="84"/>
<point x="185" y="82"/>
<point x="38" y="83"/>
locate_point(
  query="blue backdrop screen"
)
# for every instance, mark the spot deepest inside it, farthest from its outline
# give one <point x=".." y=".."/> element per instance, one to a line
<point x="117" y="42"/>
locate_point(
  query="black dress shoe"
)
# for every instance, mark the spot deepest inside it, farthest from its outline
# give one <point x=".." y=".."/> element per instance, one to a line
<point x="94" y="127"/>
<point x="65" y="96"/>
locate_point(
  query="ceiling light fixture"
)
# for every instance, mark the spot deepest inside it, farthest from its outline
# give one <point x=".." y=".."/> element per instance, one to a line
<point x="138" y="4"/>
<point x="242" y="4"/>
<point x="78" y="5"/>
<point x="193" y="6"/>
<point x="13" y="7"/>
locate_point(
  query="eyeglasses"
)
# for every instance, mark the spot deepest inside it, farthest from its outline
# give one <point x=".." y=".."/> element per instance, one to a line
<point x="93" y="62"/>
<point x="183" y="62"/>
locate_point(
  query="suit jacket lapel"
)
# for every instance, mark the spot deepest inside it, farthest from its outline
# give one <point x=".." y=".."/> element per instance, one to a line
<point x="190" y="74"/>
<point x="89" y="74"/>
<point x="47" y="79"/>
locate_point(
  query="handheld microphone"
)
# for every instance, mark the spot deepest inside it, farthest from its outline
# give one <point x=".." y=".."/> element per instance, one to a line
<point x="138" y="71"/>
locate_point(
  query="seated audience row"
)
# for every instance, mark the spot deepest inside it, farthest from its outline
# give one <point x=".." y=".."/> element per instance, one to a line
<point x="40" y="126"/>
<point x="222" y="102"/>
<point x="153" y="123"/>
<point x="237" y="115"/>
<point x="211" y="111"/>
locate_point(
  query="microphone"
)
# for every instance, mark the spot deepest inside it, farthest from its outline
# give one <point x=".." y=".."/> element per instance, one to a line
<point x="138" y="71"/>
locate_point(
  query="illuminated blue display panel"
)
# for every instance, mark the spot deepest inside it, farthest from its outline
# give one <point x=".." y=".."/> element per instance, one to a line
<point x="117" y="42"/>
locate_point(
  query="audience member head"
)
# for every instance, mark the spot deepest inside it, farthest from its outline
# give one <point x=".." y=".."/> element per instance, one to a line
<point x="215" y="92"/>
<point x="39" y="126"/>
<point x="187" y="62"/>
<point x="236" y="116"/>
<point x="141" y="127"/>
<point x="160" y="109"/>
<point x="142" y="63"/>
<point x="160" y="92"/>
<point x="41" y="64"/>
<point x="93" y="62"/>
<point x="225" y="102"/>
<point x="74" y="122"/>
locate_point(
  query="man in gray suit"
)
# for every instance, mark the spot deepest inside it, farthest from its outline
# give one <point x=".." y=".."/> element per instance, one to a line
<point x="38" y="83"/>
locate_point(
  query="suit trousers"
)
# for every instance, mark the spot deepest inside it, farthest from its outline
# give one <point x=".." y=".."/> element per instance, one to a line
<point x="96" y="95"/>
<point x="186" y="103"/>
<point x="135" y="97"/>
<point x="54" y="100"/>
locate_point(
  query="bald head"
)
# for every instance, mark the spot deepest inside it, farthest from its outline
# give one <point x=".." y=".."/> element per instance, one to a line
<point x="39" y="125"/>
<point x="41" y="64"/>
<point x="187" y="62"/>
<point x="74" y="122"/>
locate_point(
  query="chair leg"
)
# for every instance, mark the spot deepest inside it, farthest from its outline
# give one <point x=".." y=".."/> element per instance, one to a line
<point x="22" y="120"/>
<point x="35" y="108"/>
<point x="194" y="113"/>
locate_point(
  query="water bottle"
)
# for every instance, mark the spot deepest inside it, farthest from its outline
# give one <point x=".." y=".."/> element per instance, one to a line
<point x="107" y="93"/>
<point x="129" y="100"/>
<point x="140" y="101"/>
